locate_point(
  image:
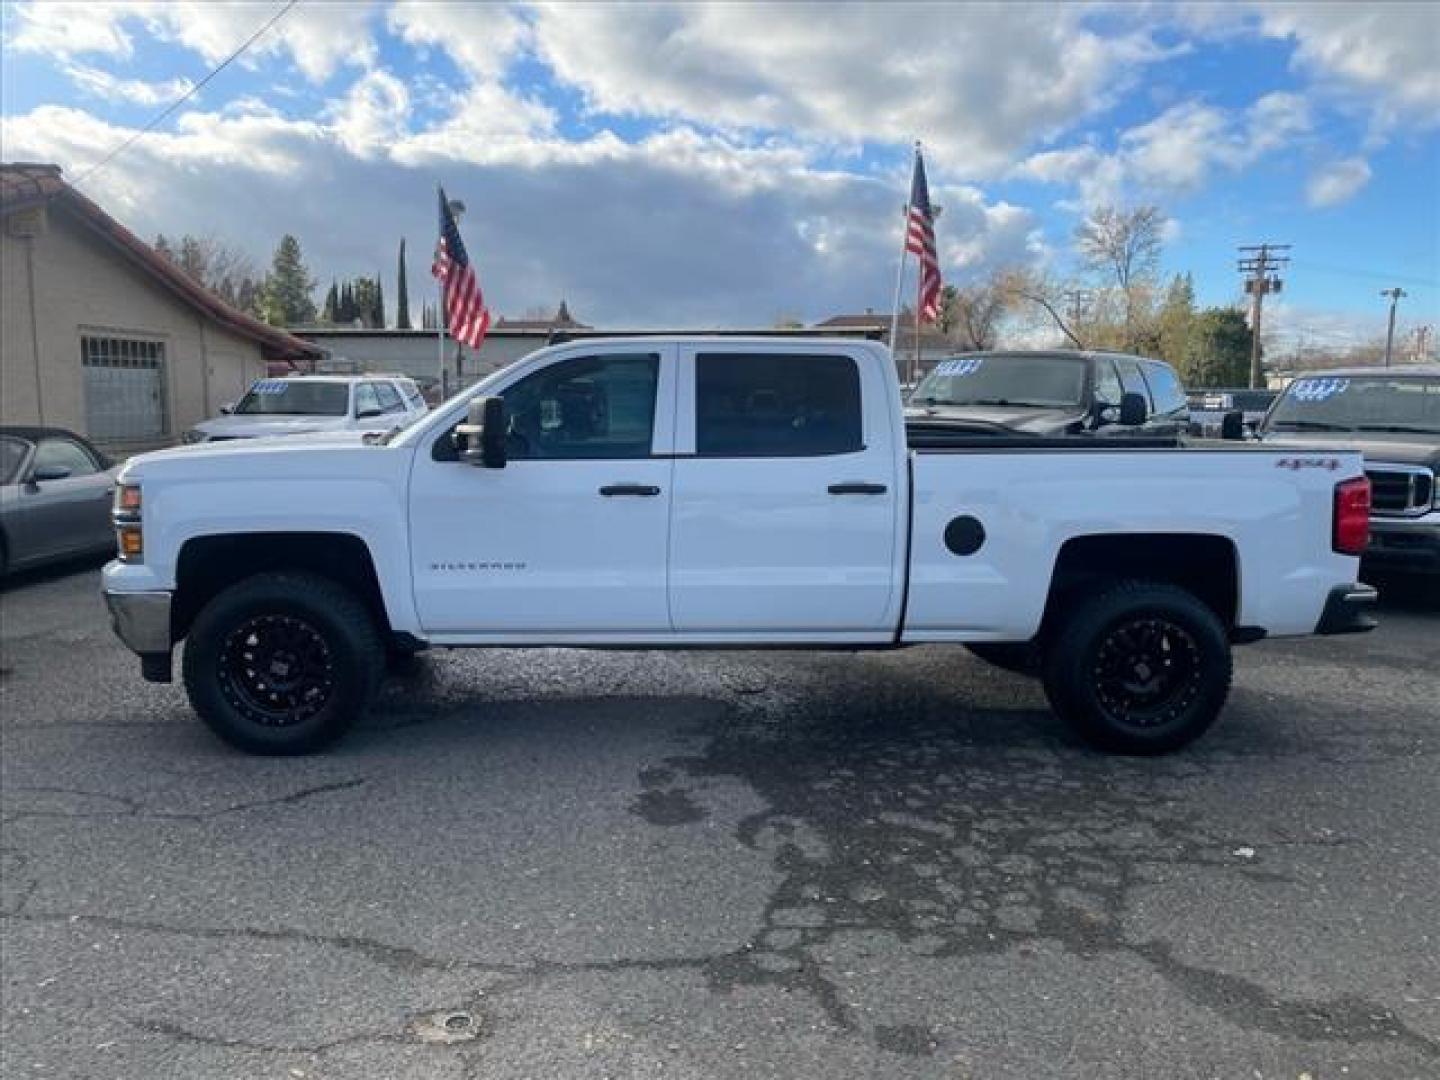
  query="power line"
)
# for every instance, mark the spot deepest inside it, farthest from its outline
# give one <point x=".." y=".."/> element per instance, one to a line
<point x="183" y="97"/>
<point x="1350" y="271"/>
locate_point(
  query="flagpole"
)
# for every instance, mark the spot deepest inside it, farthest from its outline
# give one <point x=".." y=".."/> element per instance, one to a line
<point x="900" y="270"/>
<point x="440" y="322"/>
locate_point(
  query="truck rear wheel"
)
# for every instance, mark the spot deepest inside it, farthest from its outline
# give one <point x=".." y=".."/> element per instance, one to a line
<point x="283" y="663"/>
<point x="1140" y="668"/>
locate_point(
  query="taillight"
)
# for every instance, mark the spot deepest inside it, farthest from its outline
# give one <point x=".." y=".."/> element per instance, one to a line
<point x="1352" y="516"/>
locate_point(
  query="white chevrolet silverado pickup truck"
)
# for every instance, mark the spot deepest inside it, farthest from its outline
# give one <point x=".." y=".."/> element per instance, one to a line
<point x="721" y="492"/>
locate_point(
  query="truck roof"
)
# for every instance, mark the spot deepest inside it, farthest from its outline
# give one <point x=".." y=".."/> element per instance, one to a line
<point x="1393" y="372"/>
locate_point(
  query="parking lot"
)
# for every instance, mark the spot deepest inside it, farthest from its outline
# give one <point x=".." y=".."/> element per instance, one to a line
<point x="571" y="864"/>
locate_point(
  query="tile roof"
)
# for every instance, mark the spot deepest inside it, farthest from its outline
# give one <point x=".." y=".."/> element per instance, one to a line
<point x="27" y="184"/>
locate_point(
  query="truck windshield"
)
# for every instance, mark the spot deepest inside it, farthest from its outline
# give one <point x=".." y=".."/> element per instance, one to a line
<point x="1364" y="403"/>
<point x="281" y="397"/>
<point x="1040" y="381"/>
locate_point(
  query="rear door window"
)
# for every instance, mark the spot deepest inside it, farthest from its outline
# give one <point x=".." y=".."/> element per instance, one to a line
<point x="367" y="401"/>
<point x="1132" y="381"/>
<point x="1165" y="387"/>
<point x="1107" y="383"/>
<point x="762" y="405"/>
<point x="389" y="397"/>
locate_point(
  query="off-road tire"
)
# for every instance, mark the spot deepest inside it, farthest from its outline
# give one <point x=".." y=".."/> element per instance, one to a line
<point x="228" y="663"/>
<point x="1108" y="665"/>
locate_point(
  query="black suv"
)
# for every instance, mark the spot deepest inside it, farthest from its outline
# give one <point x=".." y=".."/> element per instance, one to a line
<point x="1391" y="415"/>
<point x="1052" y="393"/>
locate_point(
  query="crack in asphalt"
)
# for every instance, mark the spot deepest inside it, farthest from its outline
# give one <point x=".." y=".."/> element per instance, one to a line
<point x="131" y="807"/>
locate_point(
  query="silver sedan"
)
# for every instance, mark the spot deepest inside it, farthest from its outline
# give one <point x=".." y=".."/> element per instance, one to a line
<point x="55" y="496"/>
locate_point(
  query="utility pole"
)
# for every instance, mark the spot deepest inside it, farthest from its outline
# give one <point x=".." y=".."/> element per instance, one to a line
<point x="1259" y="262"/>
<point x="1422" y="344"/>
<point x="1394" y="294"/>
<point x="1078" y="304"/>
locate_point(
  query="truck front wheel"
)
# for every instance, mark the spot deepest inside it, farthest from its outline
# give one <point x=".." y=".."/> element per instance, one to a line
<point x="283" y="663"/>
<point x="1140" y="668"/>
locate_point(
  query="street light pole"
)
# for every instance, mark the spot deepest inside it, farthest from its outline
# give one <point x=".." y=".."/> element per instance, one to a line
<point x="1394" y="294"/>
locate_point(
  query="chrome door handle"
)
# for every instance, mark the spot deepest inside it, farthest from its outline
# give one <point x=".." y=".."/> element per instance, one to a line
<point x="855" y="487"/>
<point x="645" y="490"/>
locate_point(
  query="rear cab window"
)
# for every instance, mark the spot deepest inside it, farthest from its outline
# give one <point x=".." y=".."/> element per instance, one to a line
<point x="776" y="405"/>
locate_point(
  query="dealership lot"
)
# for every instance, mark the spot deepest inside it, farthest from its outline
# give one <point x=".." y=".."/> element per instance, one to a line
<point x="562" y="863"/>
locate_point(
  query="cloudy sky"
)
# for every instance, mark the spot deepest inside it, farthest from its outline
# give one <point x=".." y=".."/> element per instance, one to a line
<point x="726" y="164"/>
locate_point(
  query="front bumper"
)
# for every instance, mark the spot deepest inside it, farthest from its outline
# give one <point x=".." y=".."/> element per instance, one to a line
<point x="142" y="621"/>
<point x="1347" y="610"/>
<point x="1405" y="544"/>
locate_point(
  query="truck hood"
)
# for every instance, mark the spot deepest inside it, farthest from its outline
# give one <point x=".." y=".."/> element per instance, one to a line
<point x="1396" y="448"/>
<point x="256" y="427"/>
<point x="1028" y="421"/>
<point x="287" y="456"/>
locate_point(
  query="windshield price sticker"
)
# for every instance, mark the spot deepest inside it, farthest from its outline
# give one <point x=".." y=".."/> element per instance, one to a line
<point x="960" y="365"/>
<point x="269" y="386"/>
<point x="1318" y="389"/>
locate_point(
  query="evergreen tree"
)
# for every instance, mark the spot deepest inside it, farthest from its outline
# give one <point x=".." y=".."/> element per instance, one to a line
<point x="1177" y="321"/>
<point x="332" y="300"/>
<point x="378" y="314"/>
<point x="288" y="287"/>
<point x="346" y="314"/>
<point x="402" y="309"/>
<point x="1219" y="353"/>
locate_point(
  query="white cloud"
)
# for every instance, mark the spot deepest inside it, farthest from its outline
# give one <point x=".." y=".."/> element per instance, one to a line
<point x="102" y="84"/>
<point x="1379" y="54"/>
<point x="977" y="83"/>
<point x="68" y="30"/>
<point x="373" y="115"/>
<point x="1387" y="50"/>
<point x="320" y="38"/>
<point x="482" y="39"/>
<point x="678" y="227"/>
<point x="1337" y="182"/>
<point x="1176" y="152"/>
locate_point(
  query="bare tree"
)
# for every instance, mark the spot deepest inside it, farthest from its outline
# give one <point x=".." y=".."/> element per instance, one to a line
<point x="1033" y="289"/>
<point x="1123" y="246"/>
<point x="970" y="316"/>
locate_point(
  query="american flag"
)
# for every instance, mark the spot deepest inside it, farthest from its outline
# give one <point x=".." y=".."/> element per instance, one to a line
<point x="463" y="302"/>
<point x="920" y="239"/>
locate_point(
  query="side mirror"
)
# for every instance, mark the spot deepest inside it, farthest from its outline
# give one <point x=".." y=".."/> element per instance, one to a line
<point x="49" y="472"/>
<point x="1232" y="425"/>
<point x="1133" y="410"/>
<point x="483" y="433"/>
<point x="227" y="408"/>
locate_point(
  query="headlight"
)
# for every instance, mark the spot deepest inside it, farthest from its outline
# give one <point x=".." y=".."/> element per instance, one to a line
<point x="129" y="533"/>
<point x="194" y="435"/>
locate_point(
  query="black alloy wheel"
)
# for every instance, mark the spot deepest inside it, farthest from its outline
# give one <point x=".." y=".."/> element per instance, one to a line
<point x="277" y="670"/>
<point x="1139" y="667"/>
<point x="283" y="663"/>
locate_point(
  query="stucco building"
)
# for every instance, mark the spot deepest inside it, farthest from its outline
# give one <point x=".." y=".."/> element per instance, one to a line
<point x="101" y="334"/>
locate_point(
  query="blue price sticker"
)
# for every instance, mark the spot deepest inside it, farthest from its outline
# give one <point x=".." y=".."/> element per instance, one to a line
<point x="269" y="386"/>
<point x="1318" y="389"/>
<point x="959" y="366"/>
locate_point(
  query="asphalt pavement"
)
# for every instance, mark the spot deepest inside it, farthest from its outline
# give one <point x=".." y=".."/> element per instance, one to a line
<point x="580" y="864"/>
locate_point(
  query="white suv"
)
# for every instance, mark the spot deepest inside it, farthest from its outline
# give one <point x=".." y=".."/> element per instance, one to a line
<point x="306" y="404"/>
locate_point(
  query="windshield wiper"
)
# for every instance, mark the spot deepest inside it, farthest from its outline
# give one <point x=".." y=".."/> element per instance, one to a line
<point x="1407" y="428"/>
<point x="1311" y="425"/>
